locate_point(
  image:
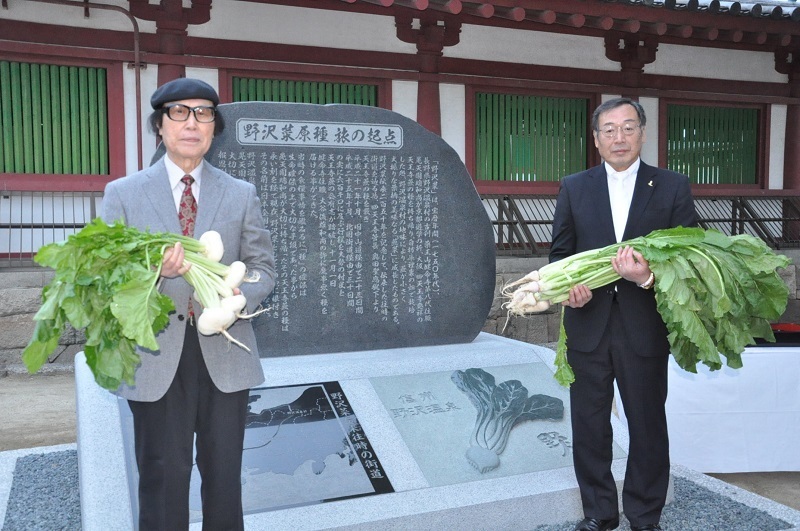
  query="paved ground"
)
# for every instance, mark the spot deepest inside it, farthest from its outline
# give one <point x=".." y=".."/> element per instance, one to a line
<point x="39" y="410"/>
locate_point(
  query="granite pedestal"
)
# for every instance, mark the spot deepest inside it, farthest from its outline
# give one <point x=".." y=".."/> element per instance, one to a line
<point x="533" y="483"/>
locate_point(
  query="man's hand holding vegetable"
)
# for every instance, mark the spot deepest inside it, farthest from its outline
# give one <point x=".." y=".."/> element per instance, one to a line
<point x="174" y="263"/>
<point x="628" y="264"/>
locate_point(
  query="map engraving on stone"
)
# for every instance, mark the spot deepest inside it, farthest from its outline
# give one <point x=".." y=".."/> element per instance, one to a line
<point x="303" y="445"/>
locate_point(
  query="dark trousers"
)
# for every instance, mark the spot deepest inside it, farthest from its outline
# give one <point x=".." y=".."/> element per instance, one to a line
<point x="642" y="383"/>
<point x="164" y="433"/>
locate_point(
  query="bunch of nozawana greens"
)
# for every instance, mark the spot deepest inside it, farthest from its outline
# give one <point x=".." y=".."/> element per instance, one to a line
<point x="106" y="282"/>
<point x="716" y="293"/>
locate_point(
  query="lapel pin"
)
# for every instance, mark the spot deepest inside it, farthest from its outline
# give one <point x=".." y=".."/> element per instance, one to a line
<point x="650" y="184"/>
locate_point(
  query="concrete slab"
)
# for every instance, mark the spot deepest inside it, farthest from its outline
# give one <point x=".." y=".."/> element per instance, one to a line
<point x="495" y="500"/>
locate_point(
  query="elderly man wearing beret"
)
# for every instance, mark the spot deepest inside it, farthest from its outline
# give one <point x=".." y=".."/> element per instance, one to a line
<point x="193" y="392"/>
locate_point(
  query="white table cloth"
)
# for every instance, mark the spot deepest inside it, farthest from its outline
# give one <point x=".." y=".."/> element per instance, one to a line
<point x="738" y="420"/>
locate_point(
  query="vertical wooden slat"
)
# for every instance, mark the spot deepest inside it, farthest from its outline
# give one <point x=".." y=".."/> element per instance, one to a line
<point x="27" y="117"/>
<point x="65" y="114"/>
<point x="2" y="126"/>
<point x="235" y="89"/>
<point x="17" y="117"/>
<point x="55" y="113"/>
<point x="480" y="125"/>
<point x="505" y="152"/>
<point x="6" y="119"/>
<point x="36" y="119"/>
<point x="83" y="106"/>
<point x="102" y="118"/>
<point x="94" y="130"/>
<point x="46" y="118"/>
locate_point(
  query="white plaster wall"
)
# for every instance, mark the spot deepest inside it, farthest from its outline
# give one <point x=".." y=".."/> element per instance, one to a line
<point x="452" y="99"/>
<point x="148" y="82"/>
<point x="404" y="98"/>
<point x="72" y="16"/>
<point x="650" y="147"/>
<point x="777" y="145"/>
<point x="714" y="63"/>
<point x="520" y="46"/>
<point x="249" y="21"/>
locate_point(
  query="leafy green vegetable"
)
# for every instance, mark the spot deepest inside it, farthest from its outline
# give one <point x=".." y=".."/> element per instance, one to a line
<point x="105" y="282"/>
<point x="716" y="293"/>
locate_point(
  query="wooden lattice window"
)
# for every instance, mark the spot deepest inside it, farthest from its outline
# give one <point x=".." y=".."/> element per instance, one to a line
<point x="54" y="119"/>
<point x="529" y="138"/>
<point x="712" y="144"/>
<point x="321" y="92"/>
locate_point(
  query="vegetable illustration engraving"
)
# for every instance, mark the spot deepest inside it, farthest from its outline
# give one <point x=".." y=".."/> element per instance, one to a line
<point x="499" y="409"/>
<point x="716" y="293"/>
<point x="106" y="282"/>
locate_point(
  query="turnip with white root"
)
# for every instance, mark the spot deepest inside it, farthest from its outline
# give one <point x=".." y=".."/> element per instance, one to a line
<point x="216" y="289"/>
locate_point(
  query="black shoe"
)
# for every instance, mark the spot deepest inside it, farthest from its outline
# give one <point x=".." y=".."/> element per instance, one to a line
<point x="593" y="524"/>
<point x="648" y="527"/>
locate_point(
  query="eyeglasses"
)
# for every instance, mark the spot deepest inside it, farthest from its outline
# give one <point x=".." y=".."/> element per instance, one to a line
<point x="180" y="113"/>
<point x="610" y="131"/>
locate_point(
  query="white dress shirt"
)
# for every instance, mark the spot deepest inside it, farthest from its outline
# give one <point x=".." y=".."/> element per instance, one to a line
<point x="620" y="193"/>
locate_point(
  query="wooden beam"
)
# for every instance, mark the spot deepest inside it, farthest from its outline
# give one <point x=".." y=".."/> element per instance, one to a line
<point x="419" y="5"/>
<point x="480" y="10"/>
<point x="575" y="20"/>
<point x="658" y="28"/>
<point x="734" y="35"/>
<point x="783" y="40"/>
<point x="603" y="23"/>
<point x="383" y="3"/>
<point x="452" y="7"/>
<point x="545" y="17"/>
<point x="684" y="31"/>
<point x="710" y="34"/>
<point x="630" y="25"/>
<point x="757" y="37"/>
<point x="517" y="14"/>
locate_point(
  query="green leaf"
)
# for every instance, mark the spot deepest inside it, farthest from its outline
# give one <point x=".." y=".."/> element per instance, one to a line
<point x="135" y="305"/>
<point x="45" y="340"/>
<point x="563" y="374"/>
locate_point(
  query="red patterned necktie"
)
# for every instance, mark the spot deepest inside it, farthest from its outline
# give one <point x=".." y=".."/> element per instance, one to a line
<point x="188" y="207"/>
<point x="187" y="212"/>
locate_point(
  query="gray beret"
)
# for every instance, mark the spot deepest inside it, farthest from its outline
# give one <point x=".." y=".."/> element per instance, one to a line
<point x="183" y="89"/>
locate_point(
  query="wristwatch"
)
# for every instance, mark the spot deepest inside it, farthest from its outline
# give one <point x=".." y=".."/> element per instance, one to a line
<point x="648" y="284"/>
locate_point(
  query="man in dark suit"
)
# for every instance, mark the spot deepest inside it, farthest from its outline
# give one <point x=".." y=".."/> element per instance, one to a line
<point x="616" y="332"/>
<point x="193" y="386"/>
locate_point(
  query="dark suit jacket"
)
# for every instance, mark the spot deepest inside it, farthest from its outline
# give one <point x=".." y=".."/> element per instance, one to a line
<point x="661" y="199"/>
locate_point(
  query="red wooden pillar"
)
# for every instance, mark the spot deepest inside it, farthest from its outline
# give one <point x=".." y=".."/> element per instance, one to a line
<point x="172" y="21"/>
<point x="789" y="63"/>
<point x="632" y="53"/>
<point x="431" y="37"/>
